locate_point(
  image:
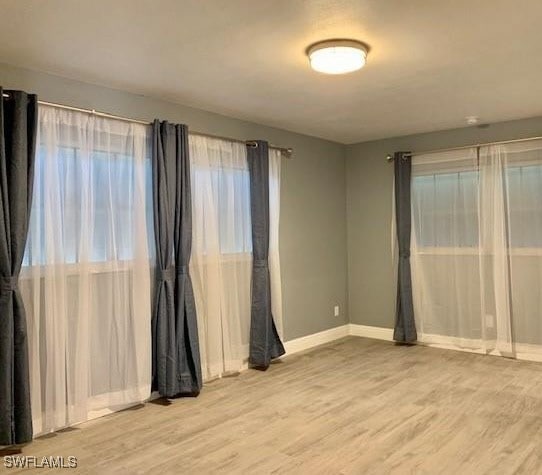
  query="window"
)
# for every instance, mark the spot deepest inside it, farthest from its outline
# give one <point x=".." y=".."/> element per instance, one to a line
<point x="445" y="209"/>
<point x="524" y="186"/>
<point x="445" y="203"/>
<point x="88" y="197"/>
<point x="220" y="198"/>
<point x="229" y="190"/>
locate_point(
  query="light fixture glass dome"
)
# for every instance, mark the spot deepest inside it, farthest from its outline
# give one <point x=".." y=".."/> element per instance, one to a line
<point x="337" y="56"/>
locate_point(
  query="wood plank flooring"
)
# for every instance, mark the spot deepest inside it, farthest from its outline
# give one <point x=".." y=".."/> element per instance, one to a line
<point x="353" y="406"/>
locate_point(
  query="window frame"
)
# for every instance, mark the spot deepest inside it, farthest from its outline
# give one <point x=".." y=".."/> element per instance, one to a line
<point x="102" y="266"/>
<point x="234" y="256"/>
<point x="519" y="251"/>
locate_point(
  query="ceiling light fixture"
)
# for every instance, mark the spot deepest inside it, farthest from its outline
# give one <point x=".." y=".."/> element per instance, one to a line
<point x="337" y="56"/>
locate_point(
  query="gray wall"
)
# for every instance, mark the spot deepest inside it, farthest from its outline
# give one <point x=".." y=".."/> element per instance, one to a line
<point x="371" y="279"/>
<point x="336" y="199"/>
<point x="313" y="211"/>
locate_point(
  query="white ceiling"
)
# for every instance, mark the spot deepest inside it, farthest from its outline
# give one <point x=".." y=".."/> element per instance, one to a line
<point x="432" y="62"/>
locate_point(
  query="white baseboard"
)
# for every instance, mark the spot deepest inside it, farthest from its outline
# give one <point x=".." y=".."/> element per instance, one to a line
<point x="520" y="351"/>
<point x="378" y="333"/>
<point x="326" y="336"/>
<point x="306" y="342"/>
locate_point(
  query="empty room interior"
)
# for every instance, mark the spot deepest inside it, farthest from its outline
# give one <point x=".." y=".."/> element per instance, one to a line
<point x="267" y="237"/>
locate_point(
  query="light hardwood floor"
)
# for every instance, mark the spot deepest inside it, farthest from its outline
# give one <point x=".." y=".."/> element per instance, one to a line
<point x="352" y="406"/>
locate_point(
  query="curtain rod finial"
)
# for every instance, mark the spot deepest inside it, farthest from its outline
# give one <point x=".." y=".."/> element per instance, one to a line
<point x="389" y="157"/>
<point x="287" y="152"/>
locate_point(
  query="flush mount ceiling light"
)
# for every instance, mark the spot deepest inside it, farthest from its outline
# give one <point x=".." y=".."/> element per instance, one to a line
<point x="337" y="56"/>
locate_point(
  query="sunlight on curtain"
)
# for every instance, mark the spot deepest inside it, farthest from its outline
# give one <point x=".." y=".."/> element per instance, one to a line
<point x="85" y="280"/>
<point x="477" y="248"/>
<point x="221" y="262"/>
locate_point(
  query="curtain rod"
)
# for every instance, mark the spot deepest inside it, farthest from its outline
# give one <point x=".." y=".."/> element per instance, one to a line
<point x="389" y="157"/>
<point x="286" y="152"/>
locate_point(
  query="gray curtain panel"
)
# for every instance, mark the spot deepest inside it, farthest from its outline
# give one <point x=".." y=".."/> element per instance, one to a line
<point x="18" y="125"/>
<point x="265" y="343"/>
<point x="176" y="359"/>
<point x="405" y="327"/>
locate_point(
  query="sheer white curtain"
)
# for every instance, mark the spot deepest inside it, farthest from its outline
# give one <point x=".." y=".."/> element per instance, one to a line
<point x="521" y="172"/>
<point x="444" y="247"/>
<point x="477" y="248"/>
<point x="85" y="280"/>
<point x="221" y="259"/>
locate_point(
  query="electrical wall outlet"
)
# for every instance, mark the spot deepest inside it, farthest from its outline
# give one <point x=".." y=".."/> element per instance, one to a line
<point x="336" y="311"/>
